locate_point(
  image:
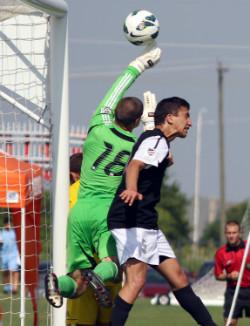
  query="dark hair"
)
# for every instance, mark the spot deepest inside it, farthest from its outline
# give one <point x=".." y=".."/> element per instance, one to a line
<point x="233" y="222"/>
<point x="167" y="106"/>
<point x="7" y="220"/>
<point x="75" y="162"/>
<point x="128" y="110"/>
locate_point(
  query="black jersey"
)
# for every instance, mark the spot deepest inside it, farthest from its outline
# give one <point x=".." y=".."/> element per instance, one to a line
<point x="152" y="148"/>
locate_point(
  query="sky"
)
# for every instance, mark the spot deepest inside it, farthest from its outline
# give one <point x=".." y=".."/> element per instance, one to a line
<point x="194" y="36"/>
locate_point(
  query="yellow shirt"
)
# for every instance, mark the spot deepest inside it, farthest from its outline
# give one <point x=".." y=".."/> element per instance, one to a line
<point x="73" y="193"/>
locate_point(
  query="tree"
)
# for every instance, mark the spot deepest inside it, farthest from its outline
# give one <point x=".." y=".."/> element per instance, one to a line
<point x="236" y="212"/>
<point x="211" y="232"/>
<point x="172" y="211"/>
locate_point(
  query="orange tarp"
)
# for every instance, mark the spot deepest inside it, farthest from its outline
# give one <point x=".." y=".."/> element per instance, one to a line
<point x="21" y="188"/>
<point x="20" y="182"/>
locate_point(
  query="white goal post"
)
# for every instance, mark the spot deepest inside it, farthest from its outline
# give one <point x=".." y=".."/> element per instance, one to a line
<point x="236" y="293"/>
<point x="56" y="12"/>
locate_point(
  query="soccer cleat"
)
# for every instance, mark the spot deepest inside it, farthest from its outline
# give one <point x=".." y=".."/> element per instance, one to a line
<point x="52" y="292"/>
<point x="102" y="294"/>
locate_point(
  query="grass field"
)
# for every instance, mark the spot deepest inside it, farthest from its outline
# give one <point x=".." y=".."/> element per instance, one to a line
<point x="143" y="314"/>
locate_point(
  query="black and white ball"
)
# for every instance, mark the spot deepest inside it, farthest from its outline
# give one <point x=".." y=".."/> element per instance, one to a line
<point x="141" y="27"/>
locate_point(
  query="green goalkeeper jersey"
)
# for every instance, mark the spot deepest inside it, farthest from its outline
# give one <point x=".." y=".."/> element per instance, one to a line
<point x="107" y="148"/>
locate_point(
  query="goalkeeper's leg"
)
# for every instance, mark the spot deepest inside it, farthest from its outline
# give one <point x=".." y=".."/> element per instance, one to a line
<point x="107" y="269"/>
<point x="87" y="273"/>
<point x="73" y="285"/>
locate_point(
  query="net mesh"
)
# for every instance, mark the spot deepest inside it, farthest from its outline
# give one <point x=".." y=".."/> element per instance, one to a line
<point x="24" y="42"/>
<point x="25" y="163"/>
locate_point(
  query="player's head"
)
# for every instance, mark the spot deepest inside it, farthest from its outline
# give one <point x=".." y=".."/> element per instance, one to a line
<point x="75" y="163"/>
<point x="7" y="222"/>
<point x="128" y="112"/>
<point x="232" y="232"/>
<point x="172" y="116"/>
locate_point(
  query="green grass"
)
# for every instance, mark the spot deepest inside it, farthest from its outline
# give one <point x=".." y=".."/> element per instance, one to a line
<point x="144" y="314"/>
<point x="11" y="311"/>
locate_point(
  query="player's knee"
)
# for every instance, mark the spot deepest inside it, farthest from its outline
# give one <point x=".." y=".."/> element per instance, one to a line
<point x="180" y="280"/>
<point x="81" y="282"/>
<point x="76" y="275"/>
<point x="136" y="282"/>
<point x="113" y="259"/>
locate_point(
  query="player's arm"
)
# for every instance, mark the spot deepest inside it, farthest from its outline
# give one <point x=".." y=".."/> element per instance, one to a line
<point x="233" y="276"/>
<point x="219" y="271"/>
<point x="132" y="174"/>
<point x="104" y="113"/>
<point x="146" y="155"/>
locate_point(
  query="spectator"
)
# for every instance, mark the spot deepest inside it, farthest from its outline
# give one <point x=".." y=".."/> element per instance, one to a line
<point x="228" y="260"/>
<point x="10" y="258"/>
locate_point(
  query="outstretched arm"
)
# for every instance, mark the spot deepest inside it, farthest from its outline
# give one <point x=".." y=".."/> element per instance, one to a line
<point x="105" y="111"/>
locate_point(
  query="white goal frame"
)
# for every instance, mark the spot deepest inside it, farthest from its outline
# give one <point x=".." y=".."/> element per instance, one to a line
<point x="242" y="267"/>
<point x="58" y="92"/>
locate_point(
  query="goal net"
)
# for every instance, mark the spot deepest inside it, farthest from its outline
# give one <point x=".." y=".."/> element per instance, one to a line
<point x="31" y="138"/>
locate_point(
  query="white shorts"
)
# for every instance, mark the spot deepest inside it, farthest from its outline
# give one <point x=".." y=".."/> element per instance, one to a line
<point x="143" y="244"/>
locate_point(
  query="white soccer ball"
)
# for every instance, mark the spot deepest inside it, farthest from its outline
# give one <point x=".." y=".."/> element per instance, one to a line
<point x="141" y="27"/>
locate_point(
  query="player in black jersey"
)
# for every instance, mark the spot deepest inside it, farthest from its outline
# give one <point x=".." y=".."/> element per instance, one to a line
<point x="133" y="219"/>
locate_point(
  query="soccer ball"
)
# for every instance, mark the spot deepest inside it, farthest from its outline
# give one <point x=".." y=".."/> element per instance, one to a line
<point x="141" y="27"/>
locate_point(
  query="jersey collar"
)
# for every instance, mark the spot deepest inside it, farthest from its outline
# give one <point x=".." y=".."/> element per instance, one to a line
<point x="241" y="245"/>
<point x="124" y="134"/>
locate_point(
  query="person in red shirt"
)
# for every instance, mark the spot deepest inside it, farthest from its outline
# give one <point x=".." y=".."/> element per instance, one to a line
<point x="228" y="260"/>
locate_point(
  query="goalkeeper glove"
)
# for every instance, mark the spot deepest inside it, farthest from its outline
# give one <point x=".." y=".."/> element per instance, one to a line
<point x="146" y="60"/>
<point x="148" y="111"/>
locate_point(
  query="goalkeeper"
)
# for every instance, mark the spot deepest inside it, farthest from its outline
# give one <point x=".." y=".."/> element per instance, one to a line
<point x="106" y="152"/>
<point x="85" y="310"/>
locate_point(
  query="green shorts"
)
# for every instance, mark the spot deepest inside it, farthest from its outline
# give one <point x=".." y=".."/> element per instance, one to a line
<point x="87" y="233"/>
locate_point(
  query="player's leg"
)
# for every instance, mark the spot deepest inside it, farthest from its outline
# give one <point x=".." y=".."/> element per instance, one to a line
<point x="6" y="281"/>
<point x="105" y="247"/>
<point x="234" y="322"/>
<point x="14" y="274"/>
<point x="239" y="307"/>
<point x="172" y="271"/>
<point x="1" y="315"/>
<point x="104" y="314"/>
<point x="135" y="276"/>
<point x="80" y="257"/>
<point x="5" y="274"/>
<point x="170" y="268"/>
<point x="107" y="269"/>
<point x="101" y="324"/>
<point x="83" y="310"/>
<point x="247" y="303"/>
<point x="104" y="243"/>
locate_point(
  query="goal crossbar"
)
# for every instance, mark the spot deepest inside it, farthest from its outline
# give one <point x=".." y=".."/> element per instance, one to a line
<point x="57" y="8"/>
